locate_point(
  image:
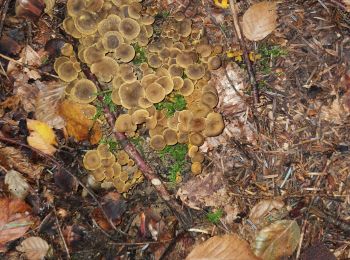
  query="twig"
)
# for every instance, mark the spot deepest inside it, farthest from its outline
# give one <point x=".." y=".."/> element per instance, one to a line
<point x="5" y="5"/>
<point x="27" y="66"/>
<point x="60" y="232"/>
<point x="60" y="166"/>
<point x="145" y="168"/>
<point x="241" y="40"/>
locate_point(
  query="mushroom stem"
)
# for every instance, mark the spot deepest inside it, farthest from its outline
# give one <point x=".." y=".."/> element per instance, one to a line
<point x="146" y="169"/>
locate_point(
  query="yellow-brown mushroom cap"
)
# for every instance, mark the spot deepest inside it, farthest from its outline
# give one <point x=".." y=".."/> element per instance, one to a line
<point x="92" y="54"/>
<point x="214" y="124"/>
<point x="139" y="116"/>
<point x="91" y="160"/>
<point x="117" y="82"/>
<point x="69" y="27"/>
<point x="67" y="50"/>
<point x="103" y="151"/>
<point x="126" y="72"/>
<point x="179" y="16"/>
<point x="74" y="7"/>
<point x="124" y="123"/>
<point x="209" y="99"/>
<point x="122" y="157"/>
<point x="146" y="19"/>
<point x="125" y="52"/>
<point x="187" y="88"/>
<point x="175" y="70"/>
<point x="199" y="109"/>
<point x="151" y="122"/>
<point x="105" y="69"/>
<point x="204" y="50"/>
<point x="115" y="97"/>
<point x="196" y="139"/>
<point x="178" y="82"/>
<point x="167" y="83"/>
<point x="195" y="71"/>
<point x="111" y="40"/>
<point x="155" y="93"/>
<point x="86" y="22"/>
<point x="214" y="63"/>
<point x="106" y="162"/>
<point x="184" y="59"/>
<point x="67" y="72"/>
<point x="154" y="61"/>
<point x="197" y="124"/>
<point x="170" y="136"/>
<point x="59" y="61"/>
<point x="197" y="157"/>
<point x="117" y="168"/>
<point x="157" y="142"/>
<point x="129" y="28"/>
<point x="185" y="27"/>
<point x="99" y="174"/>
<point x="130" y="93"/>
<point x="148" y="80"/>
<point x="185" y="116"/>
<point x="109" y="24"/>
<point x="84" y="91"/>
<point x="192" y="150"/>
<point x="196" y="168"/>
<point x="182" y="137"/>
<point x="144" y="102"/>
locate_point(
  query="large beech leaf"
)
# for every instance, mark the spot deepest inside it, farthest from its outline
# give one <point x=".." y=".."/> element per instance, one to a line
<point x="228" y="247"/>
<point x="279" y="239"/>
<point x="263" y="208"/>
<point x="35" y="248"/>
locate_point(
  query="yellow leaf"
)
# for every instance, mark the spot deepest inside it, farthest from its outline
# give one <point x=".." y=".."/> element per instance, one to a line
<point x="41" y="137"/>
<point x="223" y="4"/>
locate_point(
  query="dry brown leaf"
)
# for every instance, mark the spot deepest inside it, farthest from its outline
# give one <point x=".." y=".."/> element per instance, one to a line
<point x="11" y="158"/>
<point x="17" y="184"/>
<point x="263" y="208"/>
<point x="228" y="247"/>
<point x="27" y="93"/>
<point x="259" y="20"/>
<point x="15" y="220"/>
<point x="78" y="125"/>
<point x="42" y="137"/>
<point x="279" y="239"/>
<point x="35" y="248"/>
<point x="46" y="109"/>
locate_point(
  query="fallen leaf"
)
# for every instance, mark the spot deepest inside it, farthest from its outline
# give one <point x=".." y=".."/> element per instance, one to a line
<point x="35" y="248"/>
<point x="78" y="124"/>
<point x="42" y="136"/>
<point x="263" y="208"/>
<point x="279" y="239"/>
<point x="228" y="247"/>
<point x="11" y="158"/>
<point x="15" y="220"/>
<point x="17" y="184"/>
<point x="259" y="20"/>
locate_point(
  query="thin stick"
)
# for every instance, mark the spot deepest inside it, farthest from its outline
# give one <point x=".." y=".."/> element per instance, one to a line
<point x="241" y="40"/>
<point x="3" y="16"/>
<point x="59" y="165"/>
<point x="27" y="66"/>
<point x="60" y="232"/>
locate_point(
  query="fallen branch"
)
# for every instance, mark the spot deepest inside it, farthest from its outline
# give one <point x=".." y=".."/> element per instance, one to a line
<point x="146" y="169"/>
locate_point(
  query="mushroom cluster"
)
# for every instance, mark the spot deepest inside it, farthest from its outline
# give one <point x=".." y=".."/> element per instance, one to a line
<point x="118" y="170"/>
<point x="107" y="31"/>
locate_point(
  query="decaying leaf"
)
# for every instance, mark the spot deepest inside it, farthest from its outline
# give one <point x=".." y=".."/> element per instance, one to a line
<point x="278" y="239"/>
<point x="42" y="136"/>
<point x="228" y="247"/>
<point x="15" y="220"/>
<point x="17" y="184"/>
<point x="78" y="124"/>
<point x="11" y="158"/>
<point x="263" y="208"/>
<point x="46" y="109"/>
<point x="35" y="248"/>
<point x="259" y="20"/>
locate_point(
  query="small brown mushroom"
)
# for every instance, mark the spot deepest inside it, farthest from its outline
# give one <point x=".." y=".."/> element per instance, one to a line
<point x="130" y="93"/>
<point x="125" y="52"/>
<point x="214" y="124"/>
<point x="209" y="99"/>
<point x="196" y="139"/>
<point x="197" y="124"/>
<point x="86" y="22"/>
<point x="214" y="63"/>
<point x="187" y="88"/>
<point x="155" y="93"/>
<point x="99" y="174"/>
<point x="195" y="71"/>
<point x="182" y="137"/>
<point x="67" y="50"/>
<point x="170" y="136"/>
<point x="198" y="157"/>
<point x="139" y="116"/>
<point x="92" y="54"/>
<point x="105" y="69"/>
<point x="129" y="28"/>
<point x="178" y="82"/>
<point x="91" y="160"/>
<point x="111" y="23"/>
<point x="103" y="151"/>
<point x="184" y="59"/>
<point x="122" y="157"/>
<point x="204" y="50"/>
<point x="67" y="72"/>
<point x="124" y="123"/>
<point x="59" y="61"/>
<point x="185" y="27"/>
<point x="84" y="91"/>
<point x="69" y="27"/>
<point x="196" y="168"/>
<point x="151" y="122"/>
<point x="111" y="40"/>
<point x="175" y="70"/>
<point x="167" y="83"/>
<point x="157" y="142"/>
<point x="74" y="7"/>
<point x="154" y="61"/>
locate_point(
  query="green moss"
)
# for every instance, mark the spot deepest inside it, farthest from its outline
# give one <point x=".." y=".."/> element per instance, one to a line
<point x="214" y="217"/>
<point x="112" y="144"/>
<point x="140" y="54"/>
<point x="178" y="103"/>
<point x="106" y="101"/>
<point x="268" y="54"/>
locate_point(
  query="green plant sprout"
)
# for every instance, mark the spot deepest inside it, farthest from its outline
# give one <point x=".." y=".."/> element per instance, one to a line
<point x="214" y="217"/>
<point x="178" y="103"/>
<point x="106" y="100"/>
<point x="269" y="53"/>
<point x="140" y="54"/>
<point x="112" y="144"/>
<point x="178" y="153"/>
<point x="162" y="15"/>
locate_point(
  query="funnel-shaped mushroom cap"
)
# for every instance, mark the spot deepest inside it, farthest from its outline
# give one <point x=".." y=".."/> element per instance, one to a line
<point x="92" y="54"/>
<point x="69" y="27"/>
<point x="134" y="11"/>
<point x="59" y="61"/>
<point x="151" y="122"/>
<point x="192" y="150"/>
<point x="67" y="50"/>
<point x="174" y="52"/>
<point x="103" y="151"/>
<point x="170" y="136"/>
<point x="67" y="72"/>
<point x="185" y="116"/>
<point x="126" y="72"/>
<point x="91" y="160"/>
<point x="145" y="103"/>
<point x="195" y="71"/>
<point x="164" y="54"/>
<point x="214" y="63"/>
<point x="175" y="70"/>
<point x="185" y="27"/>
<point x="179" y="16"/>
<point x="111" y="23"/>
<point x="139" y="116"/>
<point x="210" y="99"/>
<point x="160" y="72"/>
<point x="125" y="52"/>
<point x="187" y="88"/>
<point x="117" y="169"/>
<point x="154" y="61"/>
<point x="196" y="168"/>
<point x="84" y="91"/>
<point x="86" y="22"/>
<point x="196" y="139"/>
<point x="74" y="7"/>
<point x="155" y="93"/>
<point x="200" y="109"/>
<point x="99" y="174"/>
<point x="157" y="142"/>
<point x="182" y="137"/>
<point x="106" y="162"/>
<point x="197" y="124"/>
<point x="148" y="80"/>
<point x="178" y="82"/>
<point x="167" y="83"/>
<point x="129" y="28"/>
<point x="156" y="46"/>
<point x="214" y="124"/>
<point x="130" y="93"/>
<point x="146" y="19"/>
<point x="117" y="82"/>
<point x="105" y="69"/>
<point x="184" y="59"/>
<point x="122" y="157"/>
<point x="115" y="97"/>
<point x="124" y="123"/>
<point x="204" y="50"/>
<point x="197" y="157"/>
<point x="158" y="130"/>
<point x="111" y="40"/>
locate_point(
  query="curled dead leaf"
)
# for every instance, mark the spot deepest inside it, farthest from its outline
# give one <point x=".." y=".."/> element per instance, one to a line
<point x="279" y="239"/>
<point x="42" y="136"/>
<point x="17" y="184"/>
<point x="35" y="248"/>
<point x="263" y="208"/>
<point x="228" y="247"/>
<point x="259" y="20"/>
